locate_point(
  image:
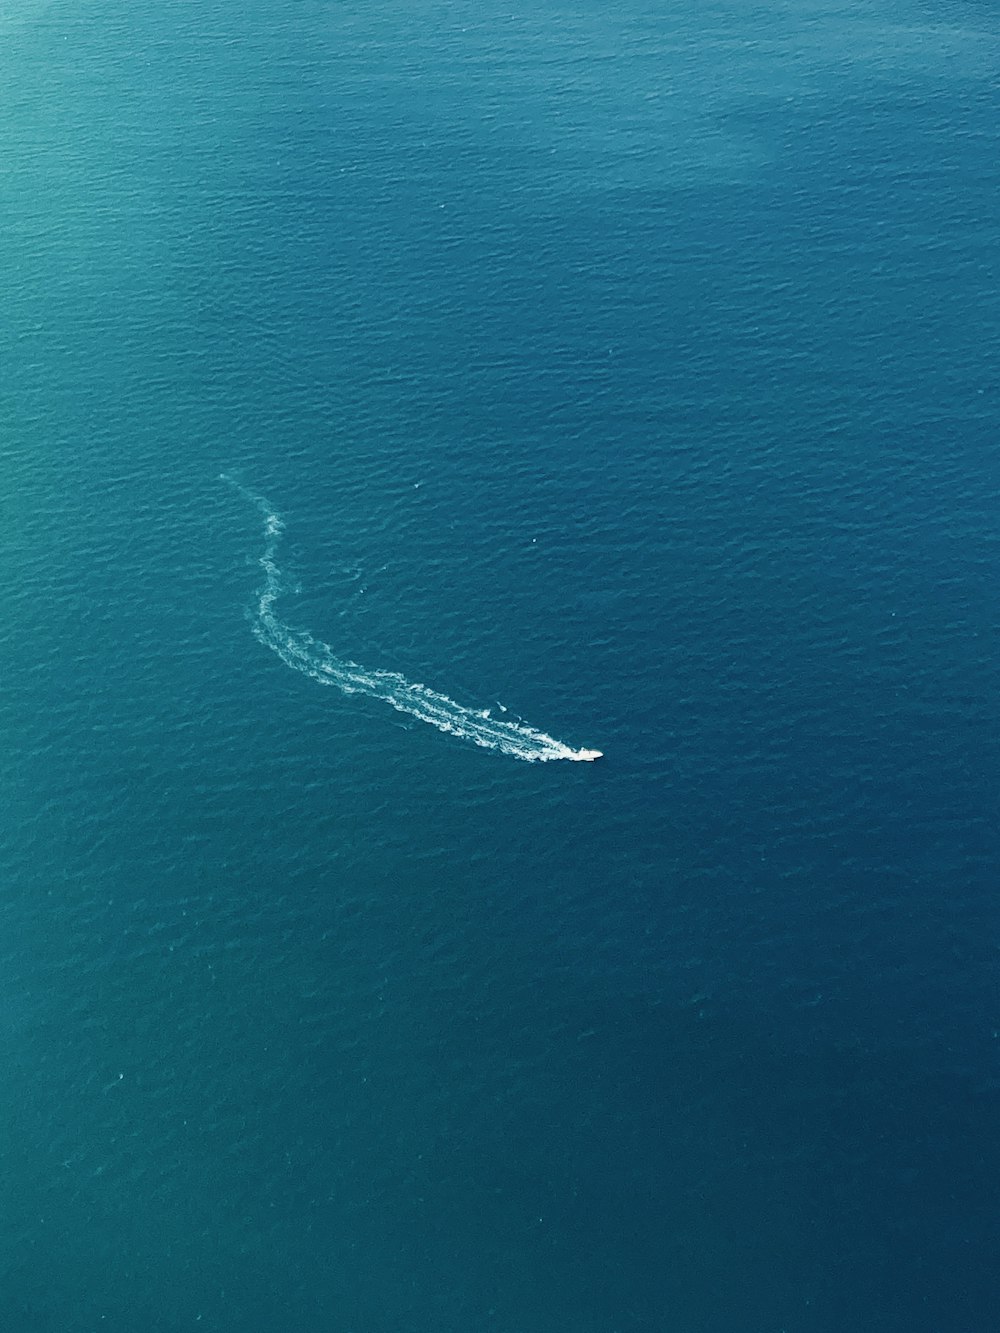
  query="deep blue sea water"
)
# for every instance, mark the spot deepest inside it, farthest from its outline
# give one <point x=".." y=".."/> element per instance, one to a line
<point x="634" y="370"/>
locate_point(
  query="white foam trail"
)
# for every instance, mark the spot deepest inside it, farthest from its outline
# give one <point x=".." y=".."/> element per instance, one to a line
<point x="317" y="660"/>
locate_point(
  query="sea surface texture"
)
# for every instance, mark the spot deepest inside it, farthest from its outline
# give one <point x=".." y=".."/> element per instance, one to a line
<point x="398" y="403"/>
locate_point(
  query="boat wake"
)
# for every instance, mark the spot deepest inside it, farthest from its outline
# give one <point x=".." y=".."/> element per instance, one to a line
<point x="317" y="660"/>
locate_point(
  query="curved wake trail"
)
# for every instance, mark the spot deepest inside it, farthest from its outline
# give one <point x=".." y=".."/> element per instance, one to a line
<point x="317" y="660"/>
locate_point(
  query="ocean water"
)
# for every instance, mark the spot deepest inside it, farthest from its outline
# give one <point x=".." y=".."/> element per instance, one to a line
<point x="625" y="378"/>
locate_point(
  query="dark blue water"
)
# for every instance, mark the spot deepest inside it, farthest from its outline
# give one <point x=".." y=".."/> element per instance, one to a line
<point x="634" y="372"/>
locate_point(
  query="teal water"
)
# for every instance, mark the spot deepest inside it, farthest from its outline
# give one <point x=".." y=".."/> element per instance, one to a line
<point x="631" y="376"/>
